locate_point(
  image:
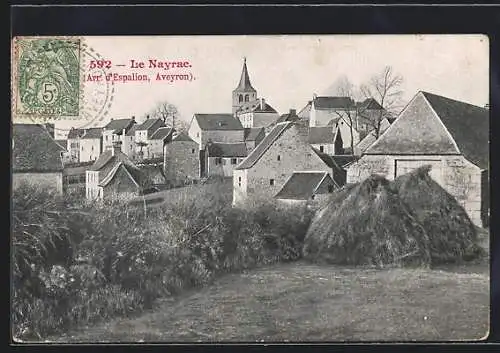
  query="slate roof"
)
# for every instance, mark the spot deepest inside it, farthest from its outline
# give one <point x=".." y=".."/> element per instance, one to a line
<point x="368" y="104"/>
<point x="62" y="143"/>
<point x="227" y="149"/>
<point x="264" y="145"/>
<point x="328" y="103"/>
<point x="244" y="84"/>
<point x="149" y="125"/>
<point x="92" y="133"/>
<point x="418" y="131"/>
<point x="302" y="185"/>
<point x="183" y="137"/>
<point x="288" y="117"/>
<point x="321" y="135"/>
<point x="370" y="138"/>
<point x="254" y="106"/>
<point x="34" y="150"/>
<point x="75" y="133"/>
<point x="162" y="133"/>
<point x="218" y="122"/>
<point x="252" y="133"/>
<point x="133" y="172"/>
<point x="117" y="125"/>
<point x="343" y="160"/>
<point x="131" y="131"/>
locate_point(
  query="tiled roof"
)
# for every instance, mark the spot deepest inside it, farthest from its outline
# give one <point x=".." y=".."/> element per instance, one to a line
<point x="327" y="103"/>
<point x="218" y="122"/>
<point x="254" y="106"/>
<point x="107" y="157"/>
<point x="183" y="137"/>
<point x="252" y="133"/>
<point x="244" y="84"/>
<point x="34" y="150"/>
<point x="117" y="125"/>
<point x="162" y="133"/>
<point x="302" y="185"/>
<point x="321" y="135"/>
<point x="92" y="133"/>
<point x="227" y="149"/>
<point x="432" y="124"/>
<point x="150" y="125"/>
<point x="262" y="147"/>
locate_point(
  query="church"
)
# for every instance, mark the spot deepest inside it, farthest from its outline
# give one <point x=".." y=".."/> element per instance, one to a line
<point x="253" y="112"/>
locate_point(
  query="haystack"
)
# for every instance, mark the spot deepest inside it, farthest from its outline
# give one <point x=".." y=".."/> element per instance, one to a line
<point x="367" y="224"/>
<point x="453" y="237"/>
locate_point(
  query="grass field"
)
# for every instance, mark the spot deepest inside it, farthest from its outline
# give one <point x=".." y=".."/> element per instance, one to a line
<point x="302" y="302"/>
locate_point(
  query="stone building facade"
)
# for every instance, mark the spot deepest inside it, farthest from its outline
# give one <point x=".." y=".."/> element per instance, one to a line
<point x="181" y="160"/>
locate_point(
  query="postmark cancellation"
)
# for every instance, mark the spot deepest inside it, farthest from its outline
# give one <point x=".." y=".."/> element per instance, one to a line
<point x="46" y="76"/>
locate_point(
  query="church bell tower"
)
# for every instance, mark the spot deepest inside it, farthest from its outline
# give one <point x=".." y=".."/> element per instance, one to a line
<point x="244" y="92"/>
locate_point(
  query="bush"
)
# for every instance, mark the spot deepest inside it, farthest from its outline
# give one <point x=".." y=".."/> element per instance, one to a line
<point x="114" y="259"/>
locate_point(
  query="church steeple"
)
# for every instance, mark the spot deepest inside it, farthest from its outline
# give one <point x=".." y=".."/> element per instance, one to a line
<point x="244" y="92"/>
<point x="245" y="85"/>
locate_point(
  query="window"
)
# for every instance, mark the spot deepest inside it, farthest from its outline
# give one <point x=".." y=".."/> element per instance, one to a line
<point x="82" y="148"/>
<point x="223" y="161"/>
<point x="271" y="182"/>
<point x="279" y="157"/>
<point x="246" y="97"/>
<point x="218" y="160"/>
<point x="312" y="197"/>
<point x="239" y="182"/>
<point x="192" y="150"/>
<point x="234" y="161"/>
<point x="240" y="99"/>
<point x="330" y="188"/>
<point x="321" y="149"/>
<point x="197" y="134"/>
<point x="92" y="148"/>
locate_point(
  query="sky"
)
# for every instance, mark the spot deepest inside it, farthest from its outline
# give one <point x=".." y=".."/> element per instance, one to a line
<point x="286" y="70"/>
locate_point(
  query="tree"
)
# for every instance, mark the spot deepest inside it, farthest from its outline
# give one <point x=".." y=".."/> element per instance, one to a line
<point x="344" y="88"/>
<point x="170" y="115"/>
<point x="385" y="88"/>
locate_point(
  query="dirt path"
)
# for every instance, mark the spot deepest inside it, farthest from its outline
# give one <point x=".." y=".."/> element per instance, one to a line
<point x="301" y="302"/>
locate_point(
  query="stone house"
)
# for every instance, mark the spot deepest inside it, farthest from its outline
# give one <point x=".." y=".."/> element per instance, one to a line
<point x="114" y="175"/>
<point x="323" y="139"/>
<point x="143" y="133"/>
<point x="222" y="158"/>
<point x="36" y="158"/>
<point x="129" y="146"/>
<point x="216" y="128"/>
<point x="84" y="145"/>
<point x="158" y="140"/>
<point x="257" y="113"/>
<point x="311" y="189"/>
<point x="450" y="136"/>
<point x="282" y="152"/>
<point x="181" y="159"/>
<point x="116" y="130"/>
<point x="253" y="136"/>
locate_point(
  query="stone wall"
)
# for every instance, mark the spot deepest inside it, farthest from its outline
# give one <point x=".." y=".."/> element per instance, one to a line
<point x="181" y="161"/>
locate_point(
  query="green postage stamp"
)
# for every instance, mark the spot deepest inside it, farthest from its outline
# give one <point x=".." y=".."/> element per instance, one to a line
<point x="47" y="76"/>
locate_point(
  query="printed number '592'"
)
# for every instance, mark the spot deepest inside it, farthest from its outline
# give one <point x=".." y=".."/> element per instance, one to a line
<point x="100" y="64"/>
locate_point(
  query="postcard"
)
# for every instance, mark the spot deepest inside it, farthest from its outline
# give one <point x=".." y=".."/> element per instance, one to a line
<point x="271" y="188"/>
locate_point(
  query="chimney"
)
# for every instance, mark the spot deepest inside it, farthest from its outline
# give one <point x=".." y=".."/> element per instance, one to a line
<point x="315" y="96"/>
<point x="147" y="116"/>
<point x="117" y="146"/>
<point x="262" y="103"/>
<point x="293" y="112"/>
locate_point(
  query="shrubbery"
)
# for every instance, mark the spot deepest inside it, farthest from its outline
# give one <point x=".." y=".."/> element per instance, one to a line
<point x="75" y="263"/>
